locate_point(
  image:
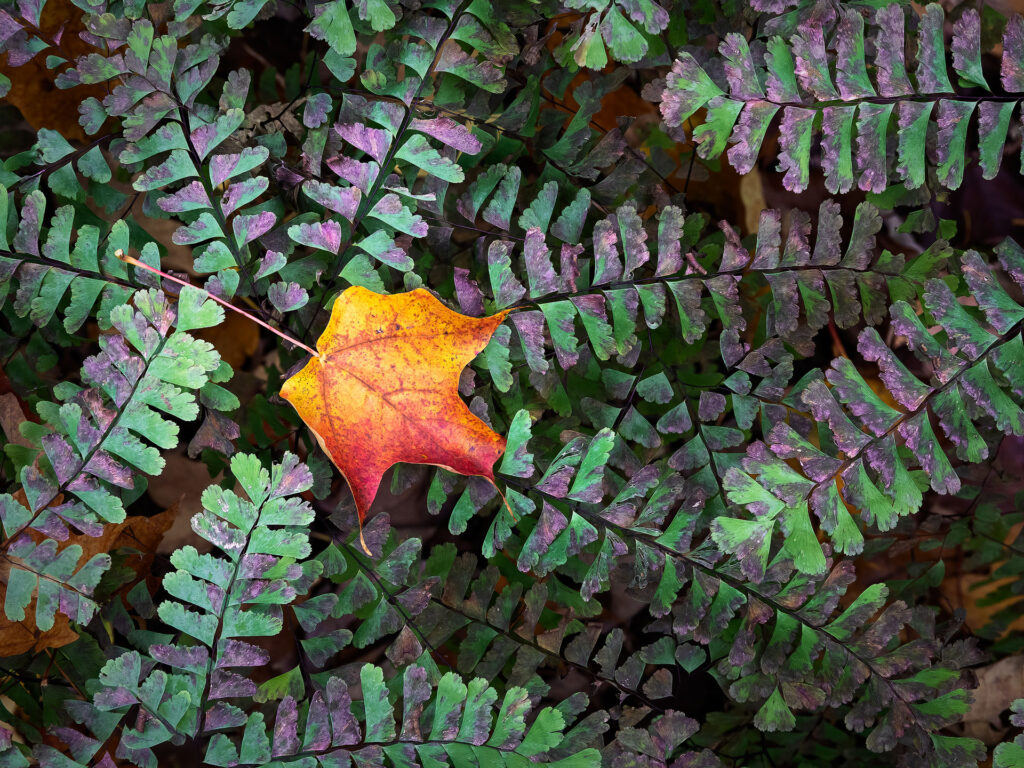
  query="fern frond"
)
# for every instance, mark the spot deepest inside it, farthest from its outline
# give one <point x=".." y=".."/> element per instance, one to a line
<point x="41" y="266"/>
<point x="759" y="612"/>
<point x="796" y="78"/>
<point x="219" y="225"/>
<point x="443" y="722"/>
<point x="96" y="442"/>
<point x="218" y="600"/>
<point x="639" y="266"/>
<point x="871" y="445"/>
<point x="155" y="102"/>
<point x="365" y="215"/>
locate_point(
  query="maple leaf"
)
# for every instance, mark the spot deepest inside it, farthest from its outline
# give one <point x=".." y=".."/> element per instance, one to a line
<point x="384" y="389"/>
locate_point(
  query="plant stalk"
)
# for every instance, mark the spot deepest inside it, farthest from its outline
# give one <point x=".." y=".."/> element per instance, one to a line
<point x="136" y="263"/>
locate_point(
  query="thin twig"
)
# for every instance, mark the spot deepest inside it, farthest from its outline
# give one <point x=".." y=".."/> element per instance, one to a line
<point x="136" y="263"/>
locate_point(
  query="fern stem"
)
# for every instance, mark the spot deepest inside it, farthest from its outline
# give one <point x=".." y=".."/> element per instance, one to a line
<point x="368" y="201"/>
<point x="218" y="214"/>
<point x="504" y="500"/>
<point x="44" y="261"/>
<point x="392" y="600"/>
<point x="299" y="757"/>
<point x="699" y="274"/>
<point x="818" y="106"/>
<point x="1003" y="544"/>
<point x="737" y="584"/>
<point x="46" y="170"/>
<point x="211" y="662"/>
<point x="62" y="487"/>
<point x="295" y="342"/>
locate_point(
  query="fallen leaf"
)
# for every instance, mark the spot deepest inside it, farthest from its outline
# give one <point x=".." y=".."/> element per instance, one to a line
<point x="139" y="533"/>
<point x="971" y="592"/>
<point x="752" y="197"/>
<point x="11" y="417"/>
<point x="33" y="92"/>
<point x="144" y="535"/>
<point x="998" y="685"/>
<point x="180" y="485"/>
<point x="17" y="637"/>
<point x="385" y="389"/>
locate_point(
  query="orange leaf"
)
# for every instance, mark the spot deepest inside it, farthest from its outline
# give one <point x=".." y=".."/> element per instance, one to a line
<point x="18" y="637"/>
<point x="385" y="389"/>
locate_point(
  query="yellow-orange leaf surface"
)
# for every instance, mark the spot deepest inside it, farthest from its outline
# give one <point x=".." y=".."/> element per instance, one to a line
<point x="385" y="389"/>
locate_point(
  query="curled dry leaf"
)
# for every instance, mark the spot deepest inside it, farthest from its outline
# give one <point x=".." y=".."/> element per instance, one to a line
<point x="998" y="685"/>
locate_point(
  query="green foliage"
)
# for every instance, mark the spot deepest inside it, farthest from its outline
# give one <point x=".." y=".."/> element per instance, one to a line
<point x="796" y="77"/>
<point x="88" y="458"/>
<point x="1011" y="753"/>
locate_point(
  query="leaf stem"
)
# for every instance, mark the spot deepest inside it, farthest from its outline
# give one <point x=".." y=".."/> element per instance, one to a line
<point x="136" y="263"/>
<point x="503" y="499"/>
